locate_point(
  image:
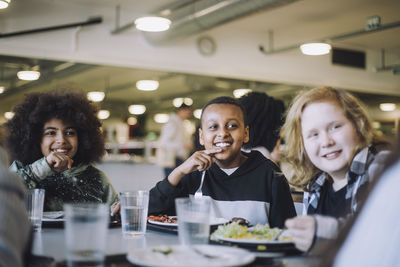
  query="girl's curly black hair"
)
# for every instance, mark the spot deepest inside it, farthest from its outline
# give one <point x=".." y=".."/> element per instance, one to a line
<point x="25" y="129"/>
<point x="265" y="118"/>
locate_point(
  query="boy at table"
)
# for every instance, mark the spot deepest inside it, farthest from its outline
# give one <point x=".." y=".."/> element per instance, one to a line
<point x="239" y="184"/>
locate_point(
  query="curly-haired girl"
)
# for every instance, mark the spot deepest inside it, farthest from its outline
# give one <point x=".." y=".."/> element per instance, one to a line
<point x="53" y="139"/>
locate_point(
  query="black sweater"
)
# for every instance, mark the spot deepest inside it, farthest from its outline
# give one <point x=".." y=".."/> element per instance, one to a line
<point x="254" y="185"/>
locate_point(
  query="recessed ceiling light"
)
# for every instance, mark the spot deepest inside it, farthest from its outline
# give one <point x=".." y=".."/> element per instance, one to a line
<point x="136" y="109"/>
<point x="177" y="102"/>
<point x="161" y="118"/>
<point x="4" y="3"/>
<point x="152" y="24"/>
<point x="103" y="114"/>
<point x="147" y="85"/>
<point x="28" y="75"/>
<point x="315" y="49"/>
<point x="96" y="96"/>
<point x="9" y="115"/>
<point x="241" y="92"/>
<point x="197" y="113"/>
<point x="387" y="106"/>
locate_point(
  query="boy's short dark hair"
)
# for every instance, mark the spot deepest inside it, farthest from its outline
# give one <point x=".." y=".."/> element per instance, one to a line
<point x="25" y="129"/>
<point x="225" y="100"/>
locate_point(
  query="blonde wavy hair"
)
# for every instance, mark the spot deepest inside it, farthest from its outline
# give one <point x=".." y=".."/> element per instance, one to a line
<point x="300" y="170"/>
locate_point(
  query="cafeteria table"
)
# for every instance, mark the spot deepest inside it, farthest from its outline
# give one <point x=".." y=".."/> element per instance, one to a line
<point x="49" y="246"/>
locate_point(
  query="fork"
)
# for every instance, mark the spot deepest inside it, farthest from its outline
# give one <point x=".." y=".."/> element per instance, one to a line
<point x="199" y="193"/>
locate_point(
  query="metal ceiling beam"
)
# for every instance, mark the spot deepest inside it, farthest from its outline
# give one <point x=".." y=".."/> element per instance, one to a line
<point x="190" y="17"/>
<point x="332" y="38"/>
<point x="89" y="21"/>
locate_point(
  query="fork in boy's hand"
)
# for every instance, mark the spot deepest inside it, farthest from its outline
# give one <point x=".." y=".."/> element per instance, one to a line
<point x="199" y="192"/>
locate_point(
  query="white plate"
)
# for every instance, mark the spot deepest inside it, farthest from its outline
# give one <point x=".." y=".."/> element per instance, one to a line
<point x="53" y="216"/>
<point x="250" y="240"/>
<point x="185" y="256"/>
<point x="213" y="221"/>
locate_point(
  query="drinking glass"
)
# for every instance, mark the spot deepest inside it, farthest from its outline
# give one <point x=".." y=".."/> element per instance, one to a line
<point x="34" y="205"/>
<point x="193" y="220"/>
<point x="86" y="226"/>
<point x="134" y="206"/>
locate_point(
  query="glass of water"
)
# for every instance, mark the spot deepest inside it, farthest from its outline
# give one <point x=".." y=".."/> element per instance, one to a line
<point x="34" y="205"/>
<point x="193" y="220"/>
<point x="134" y="206"/>
<point x="86" y="227"/>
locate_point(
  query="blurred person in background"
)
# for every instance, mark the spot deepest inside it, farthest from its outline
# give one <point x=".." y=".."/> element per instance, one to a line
<point x="265" y="118"/>
<point x="53" y="139"/>
<point x="175" y="143"/>
<point x="332" y="150"/>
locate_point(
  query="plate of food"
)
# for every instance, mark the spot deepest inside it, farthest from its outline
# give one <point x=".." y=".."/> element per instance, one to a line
<point x="197" y="255"/>
<point x="163" y="220"/>
<point x="258" y="234"/>
<point x="166" y="220"/>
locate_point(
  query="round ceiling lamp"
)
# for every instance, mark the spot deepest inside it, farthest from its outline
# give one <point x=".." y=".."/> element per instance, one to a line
<point x="96" y="96"/>
<point x="2" y="88"/>
<point x="152" y="24"/>
<point x="9" y="115"/>
<point x="315" y="49"/>
<point x="177" y="102"/>
<point x="4" y="3"/>
<point x="238" y="93"/>
<point x="28" y="75"/>
<point x="137" y="109"/>
<point x="197" y="113"/>
<point x="387" y="106"/>
<point x="103" y="114"/>
<point x="147" y="85"/>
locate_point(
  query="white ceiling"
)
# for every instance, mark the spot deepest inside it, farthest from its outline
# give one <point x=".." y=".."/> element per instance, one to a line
<point x="114" y="63"/>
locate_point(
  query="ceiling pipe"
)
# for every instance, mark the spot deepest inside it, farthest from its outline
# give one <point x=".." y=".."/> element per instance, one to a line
<point x="376" y="28"/>
<point x="89" y="21"/>
<point x="189" y="17"/>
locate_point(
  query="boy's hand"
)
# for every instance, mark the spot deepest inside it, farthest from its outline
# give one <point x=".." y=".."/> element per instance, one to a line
<point x="200" y="160"/>
<point x="59" y="162"/>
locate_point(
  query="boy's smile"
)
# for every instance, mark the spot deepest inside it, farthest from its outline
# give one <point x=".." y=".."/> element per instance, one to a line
<point x="222" y="126"/>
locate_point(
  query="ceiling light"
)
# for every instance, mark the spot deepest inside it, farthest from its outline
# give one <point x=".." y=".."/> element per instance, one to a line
<point x="2" y="89"/>
<point x="96" y="96"/>
<point x="197" y="113"/>
<point x="28" y="75"/>
<point x="315" y="49"/>
<point x="161" y="118"/>
<point x="387" y="106"/>
<point x="152" y="24"/>
<point x="4" y="3"/>
<point x="147" y="85"/>
<point x="376" y="124"/>
<point x="241" y="92"/>
<point x="131" y="121"/>
<point x="137" y="109"/>
<point x="9" y="115"/>
<point x="177" y="102"/>
<point x="188" y="101"/>
<point x="103" y="114"/>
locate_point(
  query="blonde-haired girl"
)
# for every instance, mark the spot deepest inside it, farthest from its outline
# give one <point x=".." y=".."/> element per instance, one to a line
<point x="331" y="153"/>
